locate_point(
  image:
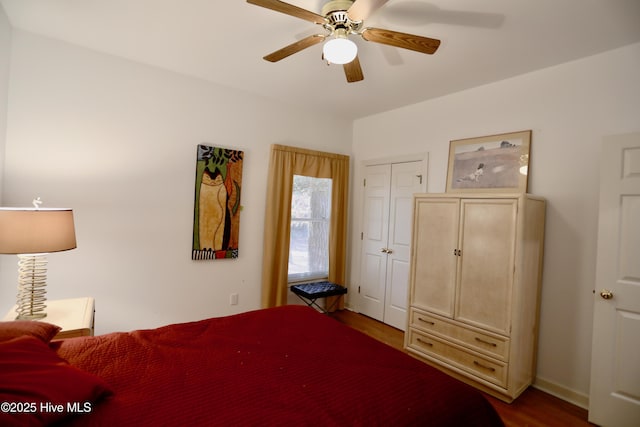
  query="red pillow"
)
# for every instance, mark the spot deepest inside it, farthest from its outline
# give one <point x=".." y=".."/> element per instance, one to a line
<point x="37" y="387"/>
<point x="17" y="328"/>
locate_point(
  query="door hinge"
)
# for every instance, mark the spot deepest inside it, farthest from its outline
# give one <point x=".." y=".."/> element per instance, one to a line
<point x="358" y="289"/>
<point x="364" y="182"/>
<point x="362" y="235"/>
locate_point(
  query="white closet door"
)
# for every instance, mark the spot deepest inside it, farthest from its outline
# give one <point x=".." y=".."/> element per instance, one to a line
<point x="375" y="225"/>
<point x="386" y="239"/>
<point x="405" y="181"/>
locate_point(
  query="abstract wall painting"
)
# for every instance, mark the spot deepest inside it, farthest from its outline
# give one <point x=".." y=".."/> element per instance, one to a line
<point x="496" y="163"/>
<point x="216" y="219"/>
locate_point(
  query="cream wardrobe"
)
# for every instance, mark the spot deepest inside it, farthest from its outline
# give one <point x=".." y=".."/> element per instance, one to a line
<point x="476" y="266"/>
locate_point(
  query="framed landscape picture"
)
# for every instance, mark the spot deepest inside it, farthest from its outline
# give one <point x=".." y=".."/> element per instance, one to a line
<point x="495" y="163"/>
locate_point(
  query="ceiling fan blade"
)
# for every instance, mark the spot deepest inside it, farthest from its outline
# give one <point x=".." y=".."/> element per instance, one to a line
<point x="353" y="71"/>
<point x="405" y="41"/>
<point x="289" y="9"/>
<point x="362" y="9"/>
<point x="295" y="47"/>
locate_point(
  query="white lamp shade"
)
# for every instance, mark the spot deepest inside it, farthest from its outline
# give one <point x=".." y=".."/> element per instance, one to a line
<point x="32" y="231"/>
<point x="340" y="50"/>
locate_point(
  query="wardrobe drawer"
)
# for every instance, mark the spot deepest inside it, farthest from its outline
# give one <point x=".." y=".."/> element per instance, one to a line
<point x="490" y="344"/>
<point x="490" y="370"/>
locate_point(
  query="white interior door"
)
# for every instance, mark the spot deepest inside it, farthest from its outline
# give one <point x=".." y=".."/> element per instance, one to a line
<point x="614" y="399"/>
<point x="406" y="179"/>
<point x="386" y="239"/>
<point x="375" y="223"/>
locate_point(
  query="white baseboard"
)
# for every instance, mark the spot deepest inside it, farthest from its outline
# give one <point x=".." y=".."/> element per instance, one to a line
<point x="561" y="392"/>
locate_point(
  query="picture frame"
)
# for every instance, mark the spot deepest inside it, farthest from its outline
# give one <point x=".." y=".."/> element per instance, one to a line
<point x="490" y="164"/>
<point x="216" y="212"/>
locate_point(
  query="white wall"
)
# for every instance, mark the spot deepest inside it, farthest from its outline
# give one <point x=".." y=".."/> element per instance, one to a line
<point x="569" y="108"/>
<point x="5" y="52"/>
<point x="116" y="141"/>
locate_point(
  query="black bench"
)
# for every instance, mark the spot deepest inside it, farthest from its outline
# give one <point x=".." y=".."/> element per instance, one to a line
<point x="310" y="292"/>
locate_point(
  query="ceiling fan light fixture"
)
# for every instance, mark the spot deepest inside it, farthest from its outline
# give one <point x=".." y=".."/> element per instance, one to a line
<point x="340" y="50"/>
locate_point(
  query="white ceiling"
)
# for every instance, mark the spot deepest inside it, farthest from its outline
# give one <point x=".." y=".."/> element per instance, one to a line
<point x="224" y="41"/>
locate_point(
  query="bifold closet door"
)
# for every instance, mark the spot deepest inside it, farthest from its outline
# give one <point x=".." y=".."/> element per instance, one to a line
<point x="386" y="240"/>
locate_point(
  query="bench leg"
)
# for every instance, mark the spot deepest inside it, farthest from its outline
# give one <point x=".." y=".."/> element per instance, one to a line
<point x="335" y="303"/>
<point x="312" y="303"/>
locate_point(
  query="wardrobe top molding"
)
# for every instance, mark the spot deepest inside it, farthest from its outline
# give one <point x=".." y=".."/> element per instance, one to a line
<point x="479" y="195"/>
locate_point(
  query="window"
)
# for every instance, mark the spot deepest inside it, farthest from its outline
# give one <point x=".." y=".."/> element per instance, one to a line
<point x="309" y="239"/>
<point x="284" y="163"/>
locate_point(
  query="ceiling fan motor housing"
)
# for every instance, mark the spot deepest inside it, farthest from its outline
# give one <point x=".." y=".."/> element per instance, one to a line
<point x="336" y="5"/>
<point x="335" y="12"/>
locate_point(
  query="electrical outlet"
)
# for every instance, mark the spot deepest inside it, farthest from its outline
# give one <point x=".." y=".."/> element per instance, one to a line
<point x="233" y="299"/>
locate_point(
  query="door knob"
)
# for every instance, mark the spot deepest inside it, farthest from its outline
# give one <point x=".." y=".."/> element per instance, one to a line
<point x="606" y="294"/>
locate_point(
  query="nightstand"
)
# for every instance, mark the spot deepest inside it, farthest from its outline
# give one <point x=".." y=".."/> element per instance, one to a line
<point x="75" y="316"/>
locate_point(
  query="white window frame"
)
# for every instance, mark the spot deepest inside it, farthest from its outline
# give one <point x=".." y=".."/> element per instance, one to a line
<point x="312" y="275"/>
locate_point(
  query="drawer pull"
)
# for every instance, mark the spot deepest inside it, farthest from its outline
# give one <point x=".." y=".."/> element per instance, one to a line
<point x="492" y="344"/>
<point x="424" y="342"/>
<point x="480" y="365"/>
<point x="428" y="322"/>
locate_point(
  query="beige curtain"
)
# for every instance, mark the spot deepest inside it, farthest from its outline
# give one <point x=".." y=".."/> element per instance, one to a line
<point x="284" y="163"/>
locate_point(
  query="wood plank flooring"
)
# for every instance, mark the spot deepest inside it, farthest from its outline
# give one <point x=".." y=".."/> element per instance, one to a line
<point x="534" y="408"/>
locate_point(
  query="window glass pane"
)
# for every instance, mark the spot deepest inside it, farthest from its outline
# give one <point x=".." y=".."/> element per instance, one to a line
<point x="310" y="215"/>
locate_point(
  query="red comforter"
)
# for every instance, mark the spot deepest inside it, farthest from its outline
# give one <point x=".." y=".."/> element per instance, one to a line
<point x="281" y="366"/>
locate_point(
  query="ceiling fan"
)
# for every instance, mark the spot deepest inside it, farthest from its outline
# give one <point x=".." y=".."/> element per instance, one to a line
<point x="342" y="18"/>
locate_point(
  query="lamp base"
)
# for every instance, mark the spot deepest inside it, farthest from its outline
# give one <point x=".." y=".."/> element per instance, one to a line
<point x="32" y="282"/>
<point x="28" y="316"/>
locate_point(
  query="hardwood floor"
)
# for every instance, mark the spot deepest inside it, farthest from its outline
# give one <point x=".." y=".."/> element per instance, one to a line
<point x="534" y="408"/>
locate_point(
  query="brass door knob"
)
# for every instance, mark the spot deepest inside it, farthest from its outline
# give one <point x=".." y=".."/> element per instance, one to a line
<point x="606" y="294"/>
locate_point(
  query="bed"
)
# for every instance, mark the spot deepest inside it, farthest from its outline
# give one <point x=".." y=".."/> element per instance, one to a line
<point x="280" y="366"/>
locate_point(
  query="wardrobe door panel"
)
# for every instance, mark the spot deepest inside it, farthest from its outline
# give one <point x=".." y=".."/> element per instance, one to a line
<point x="486" y="270"/>
<point x="435" y="239"/>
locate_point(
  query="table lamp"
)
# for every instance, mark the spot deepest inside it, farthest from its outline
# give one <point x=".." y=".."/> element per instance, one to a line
<point x="31" y="233"/>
